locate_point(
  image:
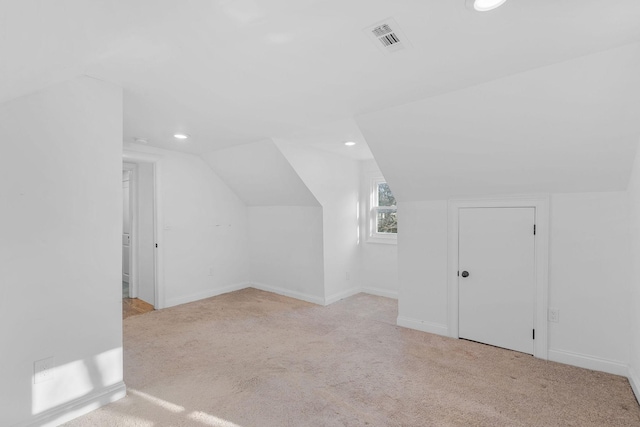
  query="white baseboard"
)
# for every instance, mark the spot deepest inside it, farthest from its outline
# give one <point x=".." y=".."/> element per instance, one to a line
<point x="341" y="295"/>
<point x="351" y="292"/>
<point x="280" y="291"/>
<point x="589" y="362"/>
<point x="432" y="328"/>
<point x="78" y="407"/>
<point x="287" y="293"/>
<point x="207" y="294"/>
<point x="380" y="292"/>
<point x="634" y="380"/>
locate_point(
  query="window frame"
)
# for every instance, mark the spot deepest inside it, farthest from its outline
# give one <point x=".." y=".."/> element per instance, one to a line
<point x="373" y="236"/>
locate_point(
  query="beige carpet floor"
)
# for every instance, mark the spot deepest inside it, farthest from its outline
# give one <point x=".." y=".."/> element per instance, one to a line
<point x="252" y="358"/>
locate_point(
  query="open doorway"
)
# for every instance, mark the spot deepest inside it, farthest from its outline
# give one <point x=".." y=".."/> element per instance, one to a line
<point x="138" y="239"/>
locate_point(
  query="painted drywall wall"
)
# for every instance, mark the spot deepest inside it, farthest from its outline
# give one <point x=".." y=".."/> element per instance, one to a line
<point x="260" y="175"/>
<point x="634" y="280"/>
<point x="589" y="280"/>
<point x="378" y="261"/>
<point x="334" y="181"/>
<point x="204" y="229"/>
<point x="146" y="241"/>
<point x="587" y="275"/>
<point x="60" y="245"/>
<point x="285" y="251"/>
<point x="422" y="265"/>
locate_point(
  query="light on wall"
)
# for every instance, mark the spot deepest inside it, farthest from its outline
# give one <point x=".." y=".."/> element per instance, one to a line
<point x="484" y="5"/>
<point x="349" y="143"/>
<point x="180" y="135"/>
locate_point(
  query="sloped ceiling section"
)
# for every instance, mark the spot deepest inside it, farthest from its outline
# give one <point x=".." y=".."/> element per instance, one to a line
<point x="230" y="72"/>
<point x="569" y="127"/>
<point x="260" y="175"/>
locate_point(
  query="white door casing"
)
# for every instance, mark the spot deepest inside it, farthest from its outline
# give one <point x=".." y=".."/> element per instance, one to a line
<point x="126" y="228"/>
<point x="134" y="158"/>
<point x="541" y="205"/>
<point x="496" y="286"/>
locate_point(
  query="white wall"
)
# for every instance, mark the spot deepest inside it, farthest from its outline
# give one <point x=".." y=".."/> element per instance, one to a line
<point x="334" y="181"/>
<point x="60" y="246"/>
<point x="588" y="279"/>
<point x="204" y="227"/>
<point x="260" y="175"/>
<point x="422" y="265"/>
<point x="378" y="261"/>
<point x="285" y="251"/>
<point x="634" y="270"/>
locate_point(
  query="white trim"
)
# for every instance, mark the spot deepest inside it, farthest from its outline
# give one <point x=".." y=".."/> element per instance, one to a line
<point x="133" y="218"/>
<point x="634" y="380"/>
<point x="589" y="362"/>
<point x="372" y="230"/>
<point x="541" y="205"/>
<point x="379" y="238"/>
<point x="159" y="236"/>
<point x="281" y="291"/>
<point x="130" y="156"/>
<point x="77" y="407"/>
<point x="341" y="295"/>
<point x="287" y="293"/>
<point x="354" y="291"/>
<point x="421" y="325"/>
<point x="207" y="294"/>
<point x="380" y="292"/>
<point x="133" y="156"/>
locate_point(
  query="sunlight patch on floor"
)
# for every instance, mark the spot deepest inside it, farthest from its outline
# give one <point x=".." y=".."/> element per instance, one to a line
<point x="210" y="420"/>
<point x="171" y="407"/>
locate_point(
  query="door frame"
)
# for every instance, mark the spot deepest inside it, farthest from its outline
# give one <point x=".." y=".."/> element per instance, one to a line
<point x="136" y="157"/>
<point x="541" y="206"/>
<point x="133" y="209"/>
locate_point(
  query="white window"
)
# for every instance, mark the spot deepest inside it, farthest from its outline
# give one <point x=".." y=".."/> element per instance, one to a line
<point x="383" y="220"/>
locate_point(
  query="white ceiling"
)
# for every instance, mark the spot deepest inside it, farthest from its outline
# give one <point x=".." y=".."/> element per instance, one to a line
<point x="568" y="127"/>
<point x="260" y="175"/>
<point x="231" y="72"/>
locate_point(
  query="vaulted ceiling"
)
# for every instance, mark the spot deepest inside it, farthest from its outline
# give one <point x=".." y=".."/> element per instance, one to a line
<point x="567" y="127"/>
<point x="231" y="72"/>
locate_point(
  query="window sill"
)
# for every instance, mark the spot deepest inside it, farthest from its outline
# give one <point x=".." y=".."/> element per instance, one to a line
<point x="385" y="240"/>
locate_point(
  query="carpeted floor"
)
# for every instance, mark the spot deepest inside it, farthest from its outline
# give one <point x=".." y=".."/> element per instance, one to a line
<point x="252" y="358"/>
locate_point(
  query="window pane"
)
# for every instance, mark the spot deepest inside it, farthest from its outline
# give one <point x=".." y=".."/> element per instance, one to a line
<point x="387" y="221"/>
<point x="385" y="198"/>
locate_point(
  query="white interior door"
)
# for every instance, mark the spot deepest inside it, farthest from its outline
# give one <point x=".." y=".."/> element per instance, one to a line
<point x="496" y="282"/>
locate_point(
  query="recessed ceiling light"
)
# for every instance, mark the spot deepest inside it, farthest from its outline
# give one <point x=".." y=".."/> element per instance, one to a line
<point x="486" y="5"/>
<point x="349" y="143"/>
<point x="180" y="135"/>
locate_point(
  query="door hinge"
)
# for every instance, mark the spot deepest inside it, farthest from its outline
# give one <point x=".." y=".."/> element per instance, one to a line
<point x="534" y="334"/>
<point x="458" y="273"/>
<point x="156" y="245"/>
<point x="534" y="229"/>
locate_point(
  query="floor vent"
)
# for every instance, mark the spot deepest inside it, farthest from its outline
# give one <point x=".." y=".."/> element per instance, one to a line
<point x="388" y="36"/>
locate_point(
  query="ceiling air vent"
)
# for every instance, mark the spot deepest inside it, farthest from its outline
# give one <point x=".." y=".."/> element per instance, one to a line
<point x="388" y="36"/>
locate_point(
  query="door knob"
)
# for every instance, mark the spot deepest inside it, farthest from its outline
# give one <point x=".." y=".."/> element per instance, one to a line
<point x="465" y="274"/>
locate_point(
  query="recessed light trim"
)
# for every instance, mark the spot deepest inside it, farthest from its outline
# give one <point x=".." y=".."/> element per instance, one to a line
<point x="350" y="143"/>
<point x="487" y="5"/>
<point x="180" y="135"/>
